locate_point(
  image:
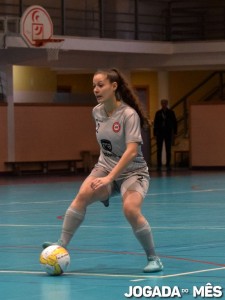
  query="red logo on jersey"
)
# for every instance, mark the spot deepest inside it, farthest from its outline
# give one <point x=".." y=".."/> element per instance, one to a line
<point x="116" y="127"/>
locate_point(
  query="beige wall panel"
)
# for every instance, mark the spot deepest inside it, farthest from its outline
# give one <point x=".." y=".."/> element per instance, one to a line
<point x="207" y="130"/>
<point x="53" y="132"/>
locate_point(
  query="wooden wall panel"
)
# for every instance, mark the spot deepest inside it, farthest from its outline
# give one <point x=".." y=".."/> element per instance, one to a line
<point x="53" y="132"/>
<point x="207" y="132"/>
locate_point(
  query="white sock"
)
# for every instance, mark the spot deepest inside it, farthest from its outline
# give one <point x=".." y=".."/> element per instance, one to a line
<point x="145" y="237"/>
<point x="72" y="222"/>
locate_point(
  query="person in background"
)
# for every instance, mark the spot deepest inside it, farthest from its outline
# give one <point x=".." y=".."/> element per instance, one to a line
<point x="121" y="166"/>
<point x="165" y="128"/>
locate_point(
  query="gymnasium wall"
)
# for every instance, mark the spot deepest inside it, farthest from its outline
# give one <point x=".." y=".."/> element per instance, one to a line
<point x="33" y="84"/>
<point x="181" y="82"/>
<point x="207" y="124"/>
<point x="3" y="135"/>
<point x="79" y="83"/>
<point x="53" y="132"/>
<point x="47" y="131"/>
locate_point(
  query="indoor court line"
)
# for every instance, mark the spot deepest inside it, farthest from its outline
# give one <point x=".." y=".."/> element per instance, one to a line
<point x="121" y="227"/>
<point x="183" y="192"/>
<point x="193" y="272"/>
<point x="79" y="274"/>
<point x="34" y="202"/>
<point x="138" y="277"/>
<point x="118" y="196"/>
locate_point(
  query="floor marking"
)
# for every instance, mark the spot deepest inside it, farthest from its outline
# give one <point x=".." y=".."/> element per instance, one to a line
<point x="20" y="272"/>
<point x="113" y="275"/>
<point x="187" y="192"/>
<point x="137" y="280"/>
<point x="30" y="225"/>
<point x="137" y="277"/>
<point x="148" y="194"/>
<point x="194" y="272"/>
<point x="78" y="274"/>
<point x="121" y="227"/>
<point x="36" y="202"/>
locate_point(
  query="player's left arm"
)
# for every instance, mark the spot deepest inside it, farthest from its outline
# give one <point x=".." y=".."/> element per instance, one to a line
<point x="129" y="154"/>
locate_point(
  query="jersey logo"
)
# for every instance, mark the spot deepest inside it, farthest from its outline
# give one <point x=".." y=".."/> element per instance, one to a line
<point x="116" y="127"/>
<point x="106" y="145"/>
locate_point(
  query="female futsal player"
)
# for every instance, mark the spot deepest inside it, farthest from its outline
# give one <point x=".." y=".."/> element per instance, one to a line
<point x="120" y="167"/>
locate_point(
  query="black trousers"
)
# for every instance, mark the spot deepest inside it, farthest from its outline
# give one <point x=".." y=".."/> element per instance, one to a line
<point x="167" y="138"/>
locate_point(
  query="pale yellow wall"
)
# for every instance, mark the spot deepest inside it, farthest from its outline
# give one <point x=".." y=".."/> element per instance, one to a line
<point x="33" y="84"/>
<point x="181" y="82"/>
<point x="33" y="78"/>
<point x="28" y="82"/>
<point x="80" y="83"/>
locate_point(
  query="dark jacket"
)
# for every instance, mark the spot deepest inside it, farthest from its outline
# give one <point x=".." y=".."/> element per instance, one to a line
<point x="165" y="122"/>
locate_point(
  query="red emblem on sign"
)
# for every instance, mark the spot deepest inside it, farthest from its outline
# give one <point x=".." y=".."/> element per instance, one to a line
<point x="116" y="127"/>
<point x="36" y="24"/>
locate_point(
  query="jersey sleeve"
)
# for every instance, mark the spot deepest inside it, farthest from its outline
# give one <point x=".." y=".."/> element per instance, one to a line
<point x="133" y="129"/>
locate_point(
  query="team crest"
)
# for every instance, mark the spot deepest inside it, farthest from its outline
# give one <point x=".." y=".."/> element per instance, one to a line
<point x="116" y="127"/>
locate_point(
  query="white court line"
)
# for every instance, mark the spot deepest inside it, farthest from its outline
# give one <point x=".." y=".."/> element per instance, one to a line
<point x="78" y="274"/>
<point x="194" y="272"/>
<point x="20" y="272"/>
<point x="182" y="274"/>
<point x="148" y="194"/>
<point x="35" y="202"/>
<point x="187" y="192"/>
<point x="137" y="277"/>
<point x="29" y="225"/>
<point x="120" y="227"/>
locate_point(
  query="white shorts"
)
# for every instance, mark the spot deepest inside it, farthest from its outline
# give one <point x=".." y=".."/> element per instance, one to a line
<point x="134" y="181"/>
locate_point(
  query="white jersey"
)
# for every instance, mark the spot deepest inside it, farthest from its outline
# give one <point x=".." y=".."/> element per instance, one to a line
<point x="114" y="133"/>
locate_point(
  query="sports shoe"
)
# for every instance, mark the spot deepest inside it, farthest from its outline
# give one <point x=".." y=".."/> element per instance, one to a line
<point x="154" y="265"/>
<point x="105" y="202"/>
<point x="47" y="244"/>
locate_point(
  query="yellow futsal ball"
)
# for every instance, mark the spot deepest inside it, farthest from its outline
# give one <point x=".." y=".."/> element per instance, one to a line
<point x="55" y="259"/>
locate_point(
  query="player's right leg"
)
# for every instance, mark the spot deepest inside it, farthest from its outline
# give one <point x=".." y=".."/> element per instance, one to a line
<point x="75" y="214"/>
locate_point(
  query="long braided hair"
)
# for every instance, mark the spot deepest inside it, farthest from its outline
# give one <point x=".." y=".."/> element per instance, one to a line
<point x="126" y="93"/>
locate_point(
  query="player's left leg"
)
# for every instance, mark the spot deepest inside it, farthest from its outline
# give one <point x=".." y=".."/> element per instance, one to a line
<point x="132" y="201"/>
